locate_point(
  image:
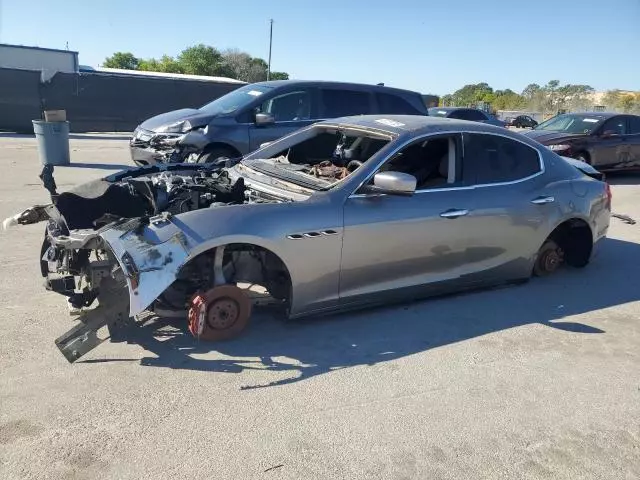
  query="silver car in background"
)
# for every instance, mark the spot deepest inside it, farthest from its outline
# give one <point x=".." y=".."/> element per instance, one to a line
<point x="342" y="214"/>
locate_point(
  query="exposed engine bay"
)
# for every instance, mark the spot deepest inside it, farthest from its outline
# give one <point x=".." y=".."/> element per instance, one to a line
<point x="174" y="189"/>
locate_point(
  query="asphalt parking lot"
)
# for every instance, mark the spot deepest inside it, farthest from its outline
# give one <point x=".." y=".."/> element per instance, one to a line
<point x="536" y="381"/>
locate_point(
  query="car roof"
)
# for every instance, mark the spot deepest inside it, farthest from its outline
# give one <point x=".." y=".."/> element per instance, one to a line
<point x="602" y="115"/>
<point x="452" y="109"/>
<point x="413" y="124"/>
<point x="327" y="83"/>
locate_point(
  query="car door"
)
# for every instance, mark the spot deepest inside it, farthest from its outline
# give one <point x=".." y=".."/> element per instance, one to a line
<point x="609" y="148"/>
<point x="510" y="204"/>
<point x="290" y="110"/>
<point x="633" y="141"/>
<point x="393" y="245"/>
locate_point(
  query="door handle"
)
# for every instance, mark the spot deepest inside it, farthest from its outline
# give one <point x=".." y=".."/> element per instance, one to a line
<point x="454" y="213"/>
<point x="543" y="200"/>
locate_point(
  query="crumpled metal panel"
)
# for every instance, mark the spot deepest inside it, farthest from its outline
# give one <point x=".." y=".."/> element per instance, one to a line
<point x="149" y="267"/>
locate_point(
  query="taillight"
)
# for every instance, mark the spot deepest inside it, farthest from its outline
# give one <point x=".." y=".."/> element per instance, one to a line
<point x="609" y="195"/>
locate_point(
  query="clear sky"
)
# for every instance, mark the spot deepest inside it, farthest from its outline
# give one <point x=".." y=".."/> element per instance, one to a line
<point x="431" y="46"/>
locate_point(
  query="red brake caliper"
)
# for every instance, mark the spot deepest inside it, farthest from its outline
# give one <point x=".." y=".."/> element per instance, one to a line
<point x="197" y="315"/>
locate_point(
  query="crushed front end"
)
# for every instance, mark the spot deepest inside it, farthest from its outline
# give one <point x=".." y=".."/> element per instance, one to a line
<point x="96" y="248"/>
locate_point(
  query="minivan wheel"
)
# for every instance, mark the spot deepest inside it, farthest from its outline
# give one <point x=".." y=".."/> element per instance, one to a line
<point x="215" y="154"/>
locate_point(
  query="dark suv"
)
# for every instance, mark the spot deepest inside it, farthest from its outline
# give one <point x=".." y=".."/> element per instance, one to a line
<point x="242" y="120"/>
<point x="461" y="113"/>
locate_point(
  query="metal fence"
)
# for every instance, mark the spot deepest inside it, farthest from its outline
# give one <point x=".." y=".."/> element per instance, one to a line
<point x="19" y="99"/>
<point x="98" y="102"/>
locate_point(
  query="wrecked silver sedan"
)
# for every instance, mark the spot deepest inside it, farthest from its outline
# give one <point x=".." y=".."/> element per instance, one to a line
<point x="339" y="215"/>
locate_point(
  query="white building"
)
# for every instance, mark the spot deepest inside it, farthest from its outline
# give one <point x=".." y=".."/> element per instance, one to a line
<point x="48" y="61"/>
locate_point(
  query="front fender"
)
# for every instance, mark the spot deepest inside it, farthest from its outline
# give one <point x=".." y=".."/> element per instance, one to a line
<point x="152" y="256"/>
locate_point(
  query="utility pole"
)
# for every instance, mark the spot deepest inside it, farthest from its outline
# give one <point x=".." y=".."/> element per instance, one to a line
<point x="270" y="42"/>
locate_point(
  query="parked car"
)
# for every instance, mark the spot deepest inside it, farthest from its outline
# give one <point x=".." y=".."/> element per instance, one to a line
<point x="521" y="121"/>
<point x="347" y="213"/>
<point x="242" y="120"/>
<point x="460" y="113"/>
<point x="608" y="141"/>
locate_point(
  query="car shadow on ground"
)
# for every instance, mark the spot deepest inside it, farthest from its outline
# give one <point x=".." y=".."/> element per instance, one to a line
<point x="306" y="348"/>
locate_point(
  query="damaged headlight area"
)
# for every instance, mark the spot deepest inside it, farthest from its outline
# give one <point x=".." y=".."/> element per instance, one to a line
<point x="84" y="254"/>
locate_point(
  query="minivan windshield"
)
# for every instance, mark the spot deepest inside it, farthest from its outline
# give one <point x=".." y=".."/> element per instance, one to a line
<point x="571" y="123"/>
<point x="234" y="100"/>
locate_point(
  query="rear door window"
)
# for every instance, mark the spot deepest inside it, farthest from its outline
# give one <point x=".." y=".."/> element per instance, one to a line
<point x="634" y="125"/>
<point x="475" y="115"/>
<point x="459" y="114"/>
<point x="468" y="114"/>
<point x="394" y="104"/>
<point x="342" y="103"/>
<point x="490" y="159"/>
<point x="615" y="126"/>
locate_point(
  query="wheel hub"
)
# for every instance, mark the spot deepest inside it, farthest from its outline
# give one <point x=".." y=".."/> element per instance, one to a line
<point x="219" y="313"/>
<point x="223" y="313"/>
<point x="551" y="261"/>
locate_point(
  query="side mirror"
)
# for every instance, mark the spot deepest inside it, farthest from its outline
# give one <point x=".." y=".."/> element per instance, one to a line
<point x="392" y="183"/>
<point x="264" y="119"/>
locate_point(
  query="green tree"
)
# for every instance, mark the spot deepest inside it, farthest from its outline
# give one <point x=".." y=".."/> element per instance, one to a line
<point x="446" y="100"/>
<point x="550" y="102"/>
<point x="123" y="60"/>
<point x="472" y="94"/>
<point x="611" y="99"/>
<point x="166" y="64"/>
<point x="508" y="100"/>
<point x="279" y="76"/>
<point x="531" y="91"/>
<point x="200" y="60"/>
<point x="573" y="97"/>
<point x="244" y="67"/>
<point x="629" y="102"/>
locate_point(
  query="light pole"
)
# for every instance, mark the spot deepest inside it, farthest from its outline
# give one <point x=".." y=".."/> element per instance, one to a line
<point x="270" y="42"/>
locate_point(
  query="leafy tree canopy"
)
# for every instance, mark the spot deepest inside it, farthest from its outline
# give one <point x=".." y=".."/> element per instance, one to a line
<point x="200" y="59"/>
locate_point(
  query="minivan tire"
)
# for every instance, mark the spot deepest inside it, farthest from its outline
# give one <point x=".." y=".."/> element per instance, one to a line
<point x="214" y="154"/>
